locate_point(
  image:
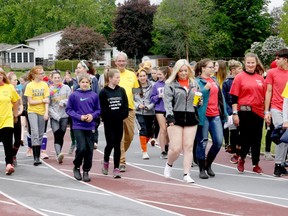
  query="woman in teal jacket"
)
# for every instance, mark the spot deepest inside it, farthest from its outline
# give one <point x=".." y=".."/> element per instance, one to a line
<point x="212" y="114"/>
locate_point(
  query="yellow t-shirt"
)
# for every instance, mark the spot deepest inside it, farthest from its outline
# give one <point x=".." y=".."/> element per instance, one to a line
<point x="128" y="80"/>
<point x="285" y="92"/>
<point x="37" y="91"/>
<point x="8" y="95"/>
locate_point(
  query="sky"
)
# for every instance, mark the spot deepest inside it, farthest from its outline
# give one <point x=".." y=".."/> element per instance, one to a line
<point x="274" y="3"/>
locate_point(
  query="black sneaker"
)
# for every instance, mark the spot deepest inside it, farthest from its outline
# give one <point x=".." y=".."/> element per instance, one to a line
<point x="164" y="155"/>
<point x="283" y="171"/>
<point x="278" y="170"/>
<point x="86" y="177"/>
<point x="77" y="174"/>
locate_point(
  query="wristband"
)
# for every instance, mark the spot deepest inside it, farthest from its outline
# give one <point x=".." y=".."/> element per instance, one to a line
<point x="235" y="113"/>
<point x="266" y="112"/>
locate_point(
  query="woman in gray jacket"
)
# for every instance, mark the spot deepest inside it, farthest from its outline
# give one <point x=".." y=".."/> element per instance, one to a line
<point x="145" y="113"/>
<point x="181" y="118"/>
<point x="59" y="94"/>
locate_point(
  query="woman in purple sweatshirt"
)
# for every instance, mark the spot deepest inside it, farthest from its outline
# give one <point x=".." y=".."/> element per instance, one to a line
<point x="156" y="98"/>
<point x="83" y="107"/>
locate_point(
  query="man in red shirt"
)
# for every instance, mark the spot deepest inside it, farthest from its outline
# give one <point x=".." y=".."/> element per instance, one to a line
<point x="276" y="81"/>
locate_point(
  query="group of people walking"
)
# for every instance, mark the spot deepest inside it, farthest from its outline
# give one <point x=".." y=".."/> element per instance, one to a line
<point x="177" y="106"/>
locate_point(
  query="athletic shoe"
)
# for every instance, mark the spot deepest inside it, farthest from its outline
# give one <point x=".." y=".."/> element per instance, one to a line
<point x="105" y="168"/>
<point x="249" y="154"/>
<point x="277" y="170"/>
<point x="29" y="152"/>
<point x="240" y="165"/>
<point x="116" y="173"/>
<point x="71" y="149"/>
<point x="167" y="171"/>
<point x="187" y="178"/>
<point x="164" y="155"/>
<point x="145" y="156"/>
<point x="268" y="156"/>
<point x="257" y="169"/>
<point x="44" y="155"/>
<point x="9" y="169"/>
<point x="234" y="159"/>
<point x="283" y="171"/>
<point x="230" y="150"/>
<point x="95" y="145"/>
<point x="122" y="168"/>
<point x="60" y="158"/>
<point x="77" y="174"/>
<point x="86" y="177"/>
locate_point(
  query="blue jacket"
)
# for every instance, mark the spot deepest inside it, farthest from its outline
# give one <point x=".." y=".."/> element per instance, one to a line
<point x="205" y="95"/>
<point x="81" y="103"/>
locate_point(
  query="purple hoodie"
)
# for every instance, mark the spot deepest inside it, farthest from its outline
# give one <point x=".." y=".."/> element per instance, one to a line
<point x="81" y="103"/>
<point x="154" y="98"/>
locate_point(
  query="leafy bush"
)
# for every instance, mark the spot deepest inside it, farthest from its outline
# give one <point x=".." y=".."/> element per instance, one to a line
<point x="64" y="65"/>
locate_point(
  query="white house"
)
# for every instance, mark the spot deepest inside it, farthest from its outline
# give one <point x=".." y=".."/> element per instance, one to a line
<point x="45" y="45"/>
<point x="17" y="56"/>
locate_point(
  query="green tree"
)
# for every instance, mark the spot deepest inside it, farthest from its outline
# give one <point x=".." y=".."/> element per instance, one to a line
<point x="241" y="23"/>
<point x="180" y="28"/>
<point x="283" y="26"/>
<point x="133" y="27"/>
<point x="23" y="19"/>
<point x="80" y="43"/>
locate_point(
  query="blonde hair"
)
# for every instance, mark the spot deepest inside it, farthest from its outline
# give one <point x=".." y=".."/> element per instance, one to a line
<point x="177" y="68"/>
<point x="232" y="64"/>
<point x="110" y="74"/>
<point x="221" y="74"/>
<point x="84" y="76"/>
<point x="259" y="67"/>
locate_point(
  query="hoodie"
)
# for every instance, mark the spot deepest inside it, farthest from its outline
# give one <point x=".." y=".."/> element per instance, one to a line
<point x="155" y="99"/>
<point x="81" y="103"/>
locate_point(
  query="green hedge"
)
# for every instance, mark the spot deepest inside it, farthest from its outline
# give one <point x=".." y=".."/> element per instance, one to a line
<point x="64" y="65"/>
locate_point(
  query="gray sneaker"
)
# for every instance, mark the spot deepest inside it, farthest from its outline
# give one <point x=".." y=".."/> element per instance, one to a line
<point x="105" y="168"/>
<point x="122" y="168"/>
<point x="164" y="155"/>
<point x="60" y="158"/>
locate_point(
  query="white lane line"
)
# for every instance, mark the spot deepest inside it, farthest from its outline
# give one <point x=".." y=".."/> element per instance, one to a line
<point x="142" y="180"/>
<point x="115" y="194"/>
<point x="190" y="208"/>
<point x="22" y="204"/>
<point x="250" y="174"/>
<point x="54" y="186"/>
<point x="5" y="202"/>
<point x="57" y="213"/>
<point x="259" y="195"/>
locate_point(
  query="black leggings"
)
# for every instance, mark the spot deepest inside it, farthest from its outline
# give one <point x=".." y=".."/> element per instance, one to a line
<point x="6" y="135"/>
<point x="17" y="135"/>
<point x="113" y="134"/>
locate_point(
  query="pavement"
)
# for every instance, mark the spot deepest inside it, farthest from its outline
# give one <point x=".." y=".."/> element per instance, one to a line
<point x="50" y="189"/>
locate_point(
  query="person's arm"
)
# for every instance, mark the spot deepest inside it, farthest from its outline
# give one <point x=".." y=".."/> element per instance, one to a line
<point x="168" y="92"/>
<point x="268" y="96"/>
<point x="235" y="110"/>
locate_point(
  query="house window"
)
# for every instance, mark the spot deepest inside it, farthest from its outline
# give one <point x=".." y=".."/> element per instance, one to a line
<point x="25" y="57"/>
<point x="13" y="57"/>
<point x="50" y="57"/>
<point x="19" y="57"/>
<point x="31" y="57"/>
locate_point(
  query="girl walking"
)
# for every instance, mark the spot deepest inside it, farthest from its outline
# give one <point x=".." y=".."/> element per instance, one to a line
<point x="83" y="107"/>
<point x="59" y="94"/>
<point x="114" y="109"/>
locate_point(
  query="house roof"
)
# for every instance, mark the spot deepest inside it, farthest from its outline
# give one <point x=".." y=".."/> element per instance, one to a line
<point x="8" y="47"/>
<point x="44" y="36"/>
<point x="156" y="56"/>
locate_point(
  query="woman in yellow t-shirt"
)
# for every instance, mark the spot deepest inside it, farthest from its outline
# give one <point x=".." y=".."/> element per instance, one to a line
<point x="37" y="92"/>
<point x="8" y="101"/>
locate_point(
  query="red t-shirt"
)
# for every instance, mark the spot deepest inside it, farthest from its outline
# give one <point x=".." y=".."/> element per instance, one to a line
<point x="184" y="83"/>
<point x="278" y="78"/>
<point x="250" y="90"/>
<point x="212" y="107"/>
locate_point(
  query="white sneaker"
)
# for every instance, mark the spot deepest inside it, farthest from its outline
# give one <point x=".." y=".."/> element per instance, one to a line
<point x="145" y="156"/>
<point x="60" y="158"/>
<point x="268" y="156"/>
<point x="167" y="171"/>
<point x="44" y="155"/>
<point x="187" y="178"/>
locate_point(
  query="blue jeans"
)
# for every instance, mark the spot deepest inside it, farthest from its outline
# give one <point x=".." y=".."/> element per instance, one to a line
<point x="213" y="125"/>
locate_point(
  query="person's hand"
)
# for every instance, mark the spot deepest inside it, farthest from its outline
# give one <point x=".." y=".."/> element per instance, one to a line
<point x="83" y="117"/>
<point x="15" y="119"/>
<point x="45" y="100"/>
<point x="89" y="118"/>
<point x="141" y="106"/>
<point x="46" y="116"/>
<point x="171" y="124"/>
<point x="267" y="118"/>
<point x="285" y="125"/>
<point x="235" y="120"/>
